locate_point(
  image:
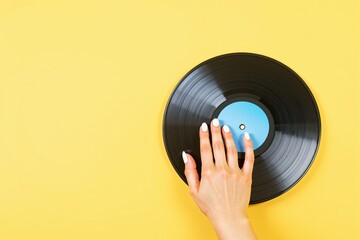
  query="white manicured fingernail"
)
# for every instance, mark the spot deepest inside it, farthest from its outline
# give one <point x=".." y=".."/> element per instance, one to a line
<point x="215" y="122"/>
<point x="226" y="128"/>
<point x="185" y="158"/>
<point x="204" y="127"/>
<point x="247" y="136"/>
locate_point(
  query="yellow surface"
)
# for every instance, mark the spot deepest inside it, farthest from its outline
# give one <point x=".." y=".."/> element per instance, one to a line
<point x="83" y="86"/>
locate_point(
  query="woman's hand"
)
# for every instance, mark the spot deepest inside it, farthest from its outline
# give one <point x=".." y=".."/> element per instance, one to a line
<point x="223" y="193"/>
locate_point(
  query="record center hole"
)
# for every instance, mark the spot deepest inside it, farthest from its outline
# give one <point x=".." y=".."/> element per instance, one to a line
<point x="242" y="126"/>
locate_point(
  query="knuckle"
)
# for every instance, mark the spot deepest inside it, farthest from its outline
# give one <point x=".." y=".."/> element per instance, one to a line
<point x="247" y="179"/>
<point x="228" y="137"/>
<point x="249" y="146"/>
<point x="204" y="146"/>
<point x="232" y="151"/>
<point x="235" y="176"/>
<point x="223" y="173"/>
<point x="217" y="145"/>
<point x="207" y="172"/>
<point x="250" y="156"/>
<point x="192" y="192"/>
<point x="203" y="135"/>
<point x="251" y="159"/>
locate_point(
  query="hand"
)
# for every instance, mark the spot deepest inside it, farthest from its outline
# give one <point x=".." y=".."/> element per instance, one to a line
<point x="223" y="193"/>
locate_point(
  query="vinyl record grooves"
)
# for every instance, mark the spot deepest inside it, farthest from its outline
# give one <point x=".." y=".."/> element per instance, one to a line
<point x="278" y="108"/>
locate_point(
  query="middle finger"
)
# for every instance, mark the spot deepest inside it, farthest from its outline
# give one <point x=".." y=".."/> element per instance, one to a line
<point x="217" y="143"/>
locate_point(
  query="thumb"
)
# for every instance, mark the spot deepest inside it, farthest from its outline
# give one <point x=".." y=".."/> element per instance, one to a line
<point x="191" y="174"/>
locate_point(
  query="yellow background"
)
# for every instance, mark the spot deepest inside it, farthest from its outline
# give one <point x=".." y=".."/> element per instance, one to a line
<point x="83" y="87"/>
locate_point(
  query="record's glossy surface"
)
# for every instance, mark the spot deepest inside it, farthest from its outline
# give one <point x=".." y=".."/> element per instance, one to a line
<point x="292" y="124"/>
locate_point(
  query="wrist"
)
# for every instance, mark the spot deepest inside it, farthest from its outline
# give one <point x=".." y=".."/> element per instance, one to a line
<point x="233" y="228"/>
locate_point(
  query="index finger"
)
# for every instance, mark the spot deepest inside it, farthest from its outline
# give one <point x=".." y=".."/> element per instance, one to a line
<point x="205" y="147"/>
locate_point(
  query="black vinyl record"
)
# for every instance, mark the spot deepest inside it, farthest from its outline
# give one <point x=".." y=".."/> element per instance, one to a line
<point x="290" y="137"/>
